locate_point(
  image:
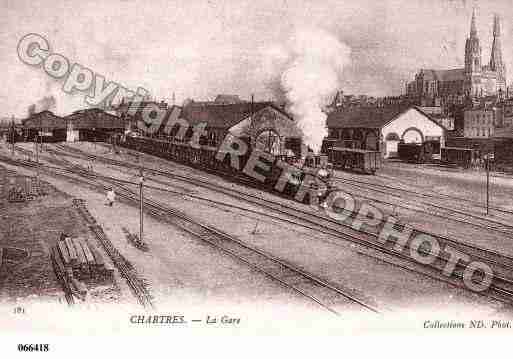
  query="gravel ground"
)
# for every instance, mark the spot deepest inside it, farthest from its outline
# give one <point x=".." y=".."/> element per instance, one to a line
<point x="35" y="226"/>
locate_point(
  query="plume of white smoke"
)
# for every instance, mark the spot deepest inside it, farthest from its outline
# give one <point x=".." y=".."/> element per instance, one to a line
<point x="45" y="103"/>
<point x="311" y="77"/>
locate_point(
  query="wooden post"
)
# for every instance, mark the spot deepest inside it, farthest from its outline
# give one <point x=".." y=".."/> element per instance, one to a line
<point x="141" y="199"/>
<point x="40" y="130"/>
<point x="487" y="185"/>
<point x="37" y="149"/>
<point x="12" y="137"/>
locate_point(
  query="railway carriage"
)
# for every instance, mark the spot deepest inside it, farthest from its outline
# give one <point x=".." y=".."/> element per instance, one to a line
<point x="462" y="157"/>
<point x="418" y="152"/>
<point x="355" y="159"/>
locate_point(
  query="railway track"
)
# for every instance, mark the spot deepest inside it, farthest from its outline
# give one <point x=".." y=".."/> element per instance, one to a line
<point x="434" y="195"/>
<point x="501" y="264"/>
<point x="302" y="215"/>
<point x="325" y="294"/>
<point x="138" y="286"/>
<point x="433" y="209"/>
<point x="422" y="194"/>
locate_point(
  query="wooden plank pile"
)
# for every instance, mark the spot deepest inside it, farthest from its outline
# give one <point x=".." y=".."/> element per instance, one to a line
<point x="83" y="261"/>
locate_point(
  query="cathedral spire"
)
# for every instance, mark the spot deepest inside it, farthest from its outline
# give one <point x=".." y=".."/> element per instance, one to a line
<point x="496" y="63"/>
<point x="496" y="26"/>
<point x="473" y="28"/>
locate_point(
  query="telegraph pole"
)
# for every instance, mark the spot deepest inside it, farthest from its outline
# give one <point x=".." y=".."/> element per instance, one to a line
<point x="12" y="138"/>
<point x="37" y="149"/>
<point x="39" y="133"/>
<point x="487" y="184"/>
<point x="141" y="200"/>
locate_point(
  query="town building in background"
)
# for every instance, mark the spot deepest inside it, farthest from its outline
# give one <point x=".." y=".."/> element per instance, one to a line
<point x="480" y="122"/>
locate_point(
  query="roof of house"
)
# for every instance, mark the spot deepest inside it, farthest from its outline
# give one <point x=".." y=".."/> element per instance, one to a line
<point x="227" y="99"/>
<point x="444" y="75"/>
<point x="44" y="119"/>
<point x="6" y="124"/>
<point x="369" y="117"/>
<point x="95" y="118"/>
<point x="223" y="116"/>
<point x="134" y="107"/>
<point x="362" y="117"/>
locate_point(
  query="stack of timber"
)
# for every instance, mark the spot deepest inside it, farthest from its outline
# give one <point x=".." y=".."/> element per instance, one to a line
<point x="138" y="285"/>
<point x="77" y="263"/>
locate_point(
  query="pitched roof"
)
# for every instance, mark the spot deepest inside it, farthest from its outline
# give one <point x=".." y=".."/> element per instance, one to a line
<point x="44" y="119"/>
<point x="95" y="118"/>
<point x="222" y="116"/>
<point x="362" y="117"/>
<point x="444" y="75"/>
<point x="370" y="117"/>
<point x="227" y="99"/>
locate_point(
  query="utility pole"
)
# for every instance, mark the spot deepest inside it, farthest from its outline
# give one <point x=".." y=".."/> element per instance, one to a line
<point x="39" y="133"/>
<point x="141" y="200"/>
<point x="37" y="147"/>
<point x="487" y="184"/>
<point x="12" y="138"/>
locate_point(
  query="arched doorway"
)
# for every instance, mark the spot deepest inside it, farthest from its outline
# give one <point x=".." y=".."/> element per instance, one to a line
<point x="391" y="141"/>
<point x="269" y="141"/>
<point x="412" y="135"/>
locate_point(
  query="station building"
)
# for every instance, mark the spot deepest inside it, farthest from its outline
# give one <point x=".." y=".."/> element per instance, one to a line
<point x="48" y="126"/>
<point x="84" y="125"/>
<point x="262" y="124"/>
<point x="93" y="125"/>
<point x="382" y="128"/>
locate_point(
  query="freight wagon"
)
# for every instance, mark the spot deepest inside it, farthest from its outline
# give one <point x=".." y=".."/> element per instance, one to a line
<point x="461" y="157"/>
<point x="354" y="159"/>
<point x="206" y="158"/>
<point x="418" y="152"/>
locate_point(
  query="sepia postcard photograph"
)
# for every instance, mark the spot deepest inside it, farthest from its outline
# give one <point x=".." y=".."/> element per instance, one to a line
<point x="180" y="172"/>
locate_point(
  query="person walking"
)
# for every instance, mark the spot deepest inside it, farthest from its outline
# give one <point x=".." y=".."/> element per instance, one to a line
<point x="111" y="196"/>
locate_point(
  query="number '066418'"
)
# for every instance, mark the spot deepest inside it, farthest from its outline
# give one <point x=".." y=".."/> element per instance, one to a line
<point x="33" y="347"/>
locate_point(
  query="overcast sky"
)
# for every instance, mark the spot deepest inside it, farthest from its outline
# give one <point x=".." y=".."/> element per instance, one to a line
<point x="198" y="48"/>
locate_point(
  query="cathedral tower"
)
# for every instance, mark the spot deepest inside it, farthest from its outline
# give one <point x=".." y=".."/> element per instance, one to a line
<point x="496" y="63"/>
<point x="473" y="67"/>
